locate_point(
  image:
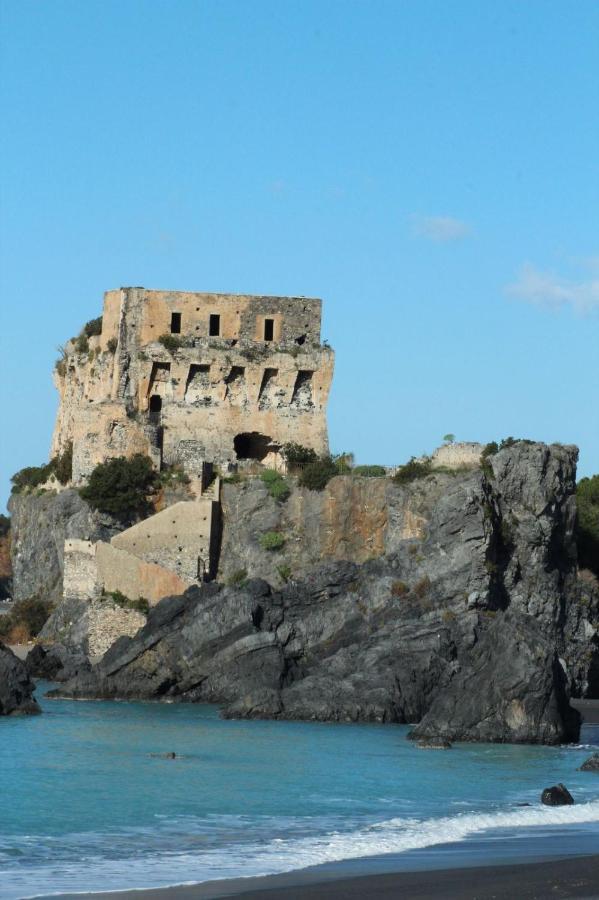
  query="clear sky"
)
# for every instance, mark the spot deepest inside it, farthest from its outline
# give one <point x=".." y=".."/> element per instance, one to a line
<point x="429" y="168"/>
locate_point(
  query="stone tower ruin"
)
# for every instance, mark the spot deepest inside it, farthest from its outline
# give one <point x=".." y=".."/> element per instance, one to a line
<point x="194" y="379"/>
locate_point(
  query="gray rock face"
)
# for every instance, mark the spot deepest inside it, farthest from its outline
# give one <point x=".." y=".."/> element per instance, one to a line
<point x="473" y="631"/>
<point x="40" y="525"/>
<point x="16" y="688"/>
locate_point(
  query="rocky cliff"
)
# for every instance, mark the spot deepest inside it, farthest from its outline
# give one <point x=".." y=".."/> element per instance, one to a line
<point x="16" y="688"/>
<point x="40" y="524"/>
<point x="470" y="622"/>
<point x="352" y="518"/>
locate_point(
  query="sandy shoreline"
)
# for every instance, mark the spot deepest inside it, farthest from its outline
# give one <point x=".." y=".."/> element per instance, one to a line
<point x="560" y="878"/>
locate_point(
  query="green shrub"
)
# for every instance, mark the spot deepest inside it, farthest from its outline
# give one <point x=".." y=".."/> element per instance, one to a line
<point x="30" y="477"/>
<point x="587" y="532"/>
<point x="276" y="484"/>
<point x="171" y="342"/>
<point x="233" y="478"/>
<point x="317" y="475"/>
<point x="272" y="540"/>
<point x="285" y="572"/>
<point x="370" y="471"/>
<point x="111" y="345"/>
<point x="279" y="490"/>
<point x="62" y="465"/>
<point x="82" y="343"/>
<point x="121" y="487"/>
<point x="343" y="463"/>
<point x="296" y="454"/>
<point x="173" y="474"/>
<point x="93" y="327"/>
<point x="139" y="604"/>
<point x="238" y="578"/>
<point x="413" y="470"/>
<point x="4" y="525"/>
<point x="28" y="617"/>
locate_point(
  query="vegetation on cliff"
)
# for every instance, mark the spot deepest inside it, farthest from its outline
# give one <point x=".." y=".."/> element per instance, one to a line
<point x="122" y="487"/>
<point x="32" y="477"/>
<point x="276" y="484"/>
<point x="25" y="620"/>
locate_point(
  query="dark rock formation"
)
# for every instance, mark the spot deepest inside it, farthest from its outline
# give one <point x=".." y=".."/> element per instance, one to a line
<point x="434" y="745"/>
<point x="472" y="631"/>
<point x="43" y="663"/>
<point x="16" y="688"/>
<point x="591" y="764"/>
<point x="40" y="524"/>
<point x="56" y="662"/>
<point x="558" y="795"/>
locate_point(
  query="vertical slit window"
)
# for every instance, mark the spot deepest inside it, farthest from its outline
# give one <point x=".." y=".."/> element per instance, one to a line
<point x="269" y="329"/>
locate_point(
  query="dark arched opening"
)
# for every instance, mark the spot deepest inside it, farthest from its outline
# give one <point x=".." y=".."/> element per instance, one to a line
<point x="252" y="445"/>
<point x="155" y="408"/>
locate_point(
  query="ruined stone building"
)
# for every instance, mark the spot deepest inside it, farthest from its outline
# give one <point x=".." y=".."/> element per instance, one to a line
<point x="194" y="378"/>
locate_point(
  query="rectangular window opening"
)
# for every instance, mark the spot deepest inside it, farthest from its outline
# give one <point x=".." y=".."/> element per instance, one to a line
<point x="214" y="328"/>
<point x="269" y="329"/>
<point x="175" y="323"/>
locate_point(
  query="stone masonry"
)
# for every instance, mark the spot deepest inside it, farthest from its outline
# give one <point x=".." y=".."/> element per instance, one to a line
<point x="241" y="376"/>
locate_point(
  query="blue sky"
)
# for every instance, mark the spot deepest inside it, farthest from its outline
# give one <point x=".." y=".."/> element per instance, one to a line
<point x="429" y="169"/>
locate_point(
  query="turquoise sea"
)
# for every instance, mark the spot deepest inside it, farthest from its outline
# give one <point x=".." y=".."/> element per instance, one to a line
<point x="84" y="806"/>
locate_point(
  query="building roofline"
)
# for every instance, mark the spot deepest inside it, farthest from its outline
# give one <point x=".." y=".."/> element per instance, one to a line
<point x="215" y="293"/>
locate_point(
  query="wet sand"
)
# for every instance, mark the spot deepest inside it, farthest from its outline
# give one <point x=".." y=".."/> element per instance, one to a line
<point x="573" y="877"/>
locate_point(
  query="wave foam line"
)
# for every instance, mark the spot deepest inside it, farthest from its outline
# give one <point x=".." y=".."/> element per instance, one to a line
<point x="284" y="854"/>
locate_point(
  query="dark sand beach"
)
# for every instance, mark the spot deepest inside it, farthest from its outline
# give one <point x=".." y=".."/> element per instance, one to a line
<point x="558" y="878"/>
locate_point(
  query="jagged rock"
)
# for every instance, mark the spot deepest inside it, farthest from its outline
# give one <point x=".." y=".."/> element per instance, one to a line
<point x="558" y="795"/>
<point x="16" y="688"/>
<point x="472" y="630"/>
<point x="591" y="764"/>
<point x="42" y="663"/>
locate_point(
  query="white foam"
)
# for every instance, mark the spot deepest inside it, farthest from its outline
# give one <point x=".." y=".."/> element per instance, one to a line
<point x="281" y="853"/>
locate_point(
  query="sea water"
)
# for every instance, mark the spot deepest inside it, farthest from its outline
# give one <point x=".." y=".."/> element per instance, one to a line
<point x="85" y="805"/>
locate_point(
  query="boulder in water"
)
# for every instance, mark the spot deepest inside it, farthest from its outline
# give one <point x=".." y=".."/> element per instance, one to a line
<point x="557" y="795"/>
<point x="16" y="687"/>
<point x="591" y="764"/>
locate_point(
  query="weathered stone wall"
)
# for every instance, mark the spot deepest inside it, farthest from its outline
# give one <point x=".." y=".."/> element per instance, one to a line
<point x="176" y="538"/>
<point x="458" y="455"/>
<point x="106" y="622"/>
<point x="80" y="578"/>
<point x="212" y="388"/>
<point x="134" y="577"/>
<point x="82" y="630"/>
<point x="90" y="569"/>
